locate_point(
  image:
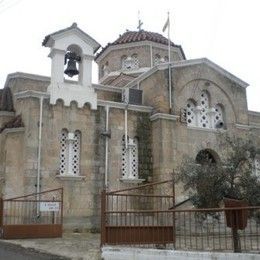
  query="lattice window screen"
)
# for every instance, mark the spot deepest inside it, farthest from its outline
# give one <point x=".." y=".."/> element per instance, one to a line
<point x="157" y="59"/>
<point x="204" y="120"/>
<point x="135" y="62"/>
<point x="123" y="63"/>
<point x="76" y="153"/>
<point x="124" y="160"/>
<point x="218" y="115"/>
<point x="257" y="166"/>
<point x="130" y="159"/>
<point x="134" y="159"/>
<point x="63" y="152"/>
<point x="190" y="114"/>
<point x="69" y="153"/>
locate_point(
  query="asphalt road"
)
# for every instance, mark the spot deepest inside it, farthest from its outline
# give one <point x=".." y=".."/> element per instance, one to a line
<point x="13" y="252"/>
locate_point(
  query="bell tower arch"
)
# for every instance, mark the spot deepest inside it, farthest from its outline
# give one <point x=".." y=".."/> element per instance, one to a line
<point x="75" y="49"/>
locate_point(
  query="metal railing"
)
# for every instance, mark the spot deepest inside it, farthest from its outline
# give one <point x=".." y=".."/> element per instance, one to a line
<point x="218" y="229"/>
<point x="32" y="215"/>
<point x="137" y="217"/>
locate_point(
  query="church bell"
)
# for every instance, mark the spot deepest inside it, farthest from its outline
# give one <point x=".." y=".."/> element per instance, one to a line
<point x="71" y="69"/>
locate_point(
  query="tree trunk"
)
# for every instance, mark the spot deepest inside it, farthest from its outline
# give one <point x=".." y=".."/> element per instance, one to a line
<point x="236" y="240"/>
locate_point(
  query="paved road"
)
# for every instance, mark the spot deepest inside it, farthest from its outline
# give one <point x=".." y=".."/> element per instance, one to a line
<point x="14" y="252"/>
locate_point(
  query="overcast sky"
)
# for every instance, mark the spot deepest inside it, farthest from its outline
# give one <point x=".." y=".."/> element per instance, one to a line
<point x="224" y="31"/>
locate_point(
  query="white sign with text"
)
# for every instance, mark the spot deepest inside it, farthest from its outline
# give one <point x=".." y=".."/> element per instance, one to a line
<point x="49" y="206"/>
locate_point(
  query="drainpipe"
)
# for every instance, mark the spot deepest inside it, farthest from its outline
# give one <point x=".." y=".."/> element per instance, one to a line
<point x="106" y="149"/>
<point x="126" y="140"/>
<point x="39" y="155"/>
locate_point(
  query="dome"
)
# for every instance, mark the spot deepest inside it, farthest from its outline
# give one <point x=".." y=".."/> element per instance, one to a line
<point x="138" y="36"/>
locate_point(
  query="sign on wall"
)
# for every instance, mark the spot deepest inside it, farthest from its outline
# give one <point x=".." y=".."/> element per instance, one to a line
<point x="49" y="206"/>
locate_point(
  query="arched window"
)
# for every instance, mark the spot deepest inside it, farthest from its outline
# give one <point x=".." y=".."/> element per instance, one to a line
<point x="157" y="59"/>
<point x="63" y="152"/>
<point x="218" y="117"/>
<point x="75" y="157"/>
<point x="123" y="62"/>
<point x="70" y="152"/>
<point x="130" y="158"/>
<point x="190" y="113"/>
<point x="166" y="59"/>
<point x="135" y="61"/>
<point x="104" y="69"/>
<point x="256" y="166"/>
<point x="204" y="120"/>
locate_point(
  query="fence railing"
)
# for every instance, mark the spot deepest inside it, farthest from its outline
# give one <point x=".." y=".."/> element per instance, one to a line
<point x="137" y="217"/>
<point x="219" y="229"/>
<point x="32" y="215"/>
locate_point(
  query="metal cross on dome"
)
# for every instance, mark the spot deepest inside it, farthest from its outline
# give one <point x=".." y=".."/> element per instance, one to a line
<point x="140" y="23"/>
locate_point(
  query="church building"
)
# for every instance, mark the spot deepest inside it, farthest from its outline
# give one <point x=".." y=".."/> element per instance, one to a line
<point x="151" y="107"/>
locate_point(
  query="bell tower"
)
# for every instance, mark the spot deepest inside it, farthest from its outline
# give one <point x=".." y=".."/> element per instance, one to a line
<point x="75" y="49"/>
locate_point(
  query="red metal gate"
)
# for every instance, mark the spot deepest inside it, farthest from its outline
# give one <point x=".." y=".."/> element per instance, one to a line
<point x="138" y="216"/>
<point x="36" y="215"/>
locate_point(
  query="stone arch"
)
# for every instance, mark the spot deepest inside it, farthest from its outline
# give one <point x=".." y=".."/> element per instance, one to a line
<point x="188" y="84"/>
<point x="207" y="156"/>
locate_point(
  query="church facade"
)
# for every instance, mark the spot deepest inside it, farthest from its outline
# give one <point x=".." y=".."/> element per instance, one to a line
<point x="147" y="112"/>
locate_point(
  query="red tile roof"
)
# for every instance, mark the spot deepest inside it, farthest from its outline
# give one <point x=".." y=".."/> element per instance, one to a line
<point x="137" y="36"/>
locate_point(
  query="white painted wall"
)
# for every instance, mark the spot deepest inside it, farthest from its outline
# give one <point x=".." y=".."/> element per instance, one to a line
<point x="125" y="253"/>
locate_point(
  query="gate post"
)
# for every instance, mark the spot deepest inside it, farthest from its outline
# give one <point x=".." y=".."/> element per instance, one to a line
<point x="103" y="218"/>
<point x="1" y="216"/>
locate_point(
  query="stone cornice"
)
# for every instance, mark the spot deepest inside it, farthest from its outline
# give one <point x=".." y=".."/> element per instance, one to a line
<point x="23" y="75"/>
<point x="107" y="88"/>
<point x="127" y="72"/>
<point x="254" y="113"/>
<point x="13" y="130"/>
<point x="211" y="64"/>
<point x="254" y="126"/>
<point x="242" y="126"/>
<point x="164" y="116"/>
<point x="31" y="93"/>
<point x="119" y="105"/>
<point x="6" y="113"/>
<point x="212" y="130"/>
<point x="70" y="177"/>
<point x="184" y="63"/>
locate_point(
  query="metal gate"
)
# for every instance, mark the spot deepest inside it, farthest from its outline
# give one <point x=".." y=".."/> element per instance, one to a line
<point x="36" y="215"/>
<point x="137" y="216"/>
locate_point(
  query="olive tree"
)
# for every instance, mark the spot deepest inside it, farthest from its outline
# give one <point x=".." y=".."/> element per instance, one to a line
<point x="208" y="180"/>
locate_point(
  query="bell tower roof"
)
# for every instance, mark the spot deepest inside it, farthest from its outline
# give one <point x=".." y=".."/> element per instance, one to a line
<point x="50" y="38"/>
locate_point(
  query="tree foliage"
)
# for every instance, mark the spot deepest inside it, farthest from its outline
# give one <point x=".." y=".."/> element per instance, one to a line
<point x="209" y="180"/>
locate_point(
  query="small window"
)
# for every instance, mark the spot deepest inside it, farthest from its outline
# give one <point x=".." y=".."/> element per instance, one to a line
<point x="190" y="113"/>
<point x="203" y="115"/>
<point x="63" y="152"/>
<point x="130" y="63"/>
<point x="204" y="120"/>
<point x="70" y="152"/>
<point x="256" y="166"/>
<point x="135" y="61"/>
<point x="130" y="159"/>
<point x="157" y="59"/>
<point x="104" y="70"/>
<point x="218" y="120"/>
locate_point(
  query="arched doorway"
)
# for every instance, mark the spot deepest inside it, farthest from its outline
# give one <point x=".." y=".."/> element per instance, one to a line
<point x="207" y="156"/>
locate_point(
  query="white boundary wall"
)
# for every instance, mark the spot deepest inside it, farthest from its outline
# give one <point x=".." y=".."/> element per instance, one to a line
<point x="126" y="253"/>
